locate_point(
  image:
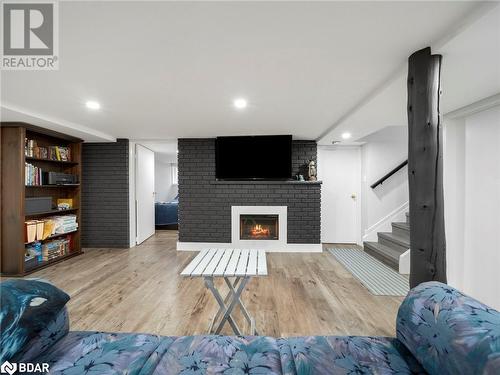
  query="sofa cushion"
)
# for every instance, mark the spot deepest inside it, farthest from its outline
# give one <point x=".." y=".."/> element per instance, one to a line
<point x="351" y="355"/>
<point x="111" y="353"/>
<point x="27" y="307"/>
<point x="45" y="339"/>
<point x="228" y="355"/>
<point x="449" y="332"/>
<point x="106" y="353"/>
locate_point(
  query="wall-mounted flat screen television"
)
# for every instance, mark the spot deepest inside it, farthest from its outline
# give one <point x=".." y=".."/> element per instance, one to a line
<point x="254" y="157"/>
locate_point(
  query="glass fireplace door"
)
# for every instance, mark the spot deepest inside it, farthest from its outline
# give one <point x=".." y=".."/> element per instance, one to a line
<point x="259" y="227"/>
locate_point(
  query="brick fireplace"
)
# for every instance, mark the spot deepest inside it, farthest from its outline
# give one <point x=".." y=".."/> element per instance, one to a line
<point x="206" y="205"/>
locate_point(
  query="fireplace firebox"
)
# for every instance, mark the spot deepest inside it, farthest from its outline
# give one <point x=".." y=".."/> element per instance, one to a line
<point x="259" y="227"/>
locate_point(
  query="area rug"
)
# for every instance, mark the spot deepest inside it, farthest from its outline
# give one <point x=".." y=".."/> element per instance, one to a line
<point x="379" y="279"/>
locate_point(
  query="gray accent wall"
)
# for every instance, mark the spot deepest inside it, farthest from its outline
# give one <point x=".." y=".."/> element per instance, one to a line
<point x="205" y="204"/>
<point x="105" y="194"/>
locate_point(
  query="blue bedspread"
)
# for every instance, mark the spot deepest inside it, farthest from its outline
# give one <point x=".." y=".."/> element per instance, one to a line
<point x="166" y="212"/>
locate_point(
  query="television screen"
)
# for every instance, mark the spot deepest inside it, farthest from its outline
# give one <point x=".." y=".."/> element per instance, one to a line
<point x="254" y="157"/>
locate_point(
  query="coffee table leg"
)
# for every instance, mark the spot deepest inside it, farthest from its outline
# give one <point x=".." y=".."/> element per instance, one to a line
<point x="234" y="301"/>
<point x="209" y="282"/>
<point x="232" y="291"/>
<point x="226" y="300"/>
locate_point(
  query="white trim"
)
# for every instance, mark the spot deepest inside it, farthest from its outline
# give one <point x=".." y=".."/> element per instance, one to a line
<point x="236" y="211"/>
<point x="384" y="224"/>
<point x="287" y="248"/>
<point x="174" y="173"/>
<point x="136" y="178"/>
<point x="479" y="106"/>
<point x="57" y="124"/>
<point x="131" y="189"/>
<point x="404" y="263"/>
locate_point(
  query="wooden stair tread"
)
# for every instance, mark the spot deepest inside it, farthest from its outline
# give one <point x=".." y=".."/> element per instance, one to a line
<point x="401" y="241"/>
<point x="385" y="251"/>
<point x="401" y="225"/>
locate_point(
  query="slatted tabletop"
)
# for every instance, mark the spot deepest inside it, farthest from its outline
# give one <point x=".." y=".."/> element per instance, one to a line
<point x="227" y="263"/>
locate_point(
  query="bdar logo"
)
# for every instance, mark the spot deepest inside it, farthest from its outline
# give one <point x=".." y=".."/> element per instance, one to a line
<point x="8" y="368"/>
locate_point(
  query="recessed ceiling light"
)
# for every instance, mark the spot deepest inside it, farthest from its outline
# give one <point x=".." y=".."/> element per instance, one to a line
<point x="91" y="104"/>
<point x="240" y="103"/>
<point x="346" y="135"/>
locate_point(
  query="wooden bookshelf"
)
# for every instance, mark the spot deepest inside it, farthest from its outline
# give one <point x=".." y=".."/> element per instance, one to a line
<point x="14" y="192"/>
<point x="51" y="186"/>
<point x="52" y="212"/>
<point x="64" y="162"/>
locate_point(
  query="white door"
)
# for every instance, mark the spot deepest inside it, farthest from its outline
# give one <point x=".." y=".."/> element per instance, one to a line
<point x="144" y="193"/>
<point x="340" y="170"/>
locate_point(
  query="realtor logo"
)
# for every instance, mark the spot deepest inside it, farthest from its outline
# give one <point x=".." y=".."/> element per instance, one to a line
<point x="30" y="35"/>
<point x="8" y="368"/>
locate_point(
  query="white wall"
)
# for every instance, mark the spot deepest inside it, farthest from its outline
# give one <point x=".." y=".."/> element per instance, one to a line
<point x="454" y="198"/>
<point x="472" y="204"/>
<point x="165" y="190"/>
<point x="382" y="152"/>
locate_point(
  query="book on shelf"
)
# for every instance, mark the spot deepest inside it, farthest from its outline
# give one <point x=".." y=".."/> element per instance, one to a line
<point x="48" y="250"/>
<point x="60" y="153"/>
<point x="39" y="230"/>
<point x="33" y="176"/>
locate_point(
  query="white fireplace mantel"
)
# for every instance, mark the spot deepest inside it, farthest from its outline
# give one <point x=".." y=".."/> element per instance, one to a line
<point x="280" y="243"/>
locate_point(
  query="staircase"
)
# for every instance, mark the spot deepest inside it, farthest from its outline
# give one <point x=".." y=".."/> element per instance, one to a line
<point x="391" y="245"/>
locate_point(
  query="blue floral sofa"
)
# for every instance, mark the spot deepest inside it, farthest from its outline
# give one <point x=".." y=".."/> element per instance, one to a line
<point x="439" y="331"/>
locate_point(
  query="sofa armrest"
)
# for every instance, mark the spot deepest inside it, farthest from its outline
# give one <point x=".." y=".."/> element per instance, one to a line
<point x="449" y="332"/>
<point x="45" y="339"/>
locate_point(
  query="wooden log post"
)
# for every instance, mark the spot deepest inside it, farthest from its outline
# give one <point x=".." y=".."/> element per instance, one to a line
<point x="425" y="169"/>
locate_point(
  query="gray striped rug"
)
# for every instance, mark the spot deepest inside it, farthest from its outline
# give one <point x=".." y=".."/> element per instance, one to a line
<point x="379" y="279"/>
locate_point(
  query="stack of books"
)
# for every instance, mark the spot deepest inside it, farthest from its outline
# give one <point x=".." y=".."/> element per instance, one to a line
<point x="32" y="175"/>
<point x="64" y="224"/>
<point x="61" y="153"/>
<point x="55" y="249"/>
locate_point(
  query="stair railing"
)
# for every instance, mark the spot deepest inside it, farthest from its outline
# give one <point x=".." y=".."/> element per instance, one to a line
<point x="381" y="180"/>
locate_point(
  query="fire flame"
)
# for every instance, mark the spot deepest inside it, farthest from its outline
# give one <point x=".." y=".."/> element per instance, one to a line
<point x="258" y="230"/>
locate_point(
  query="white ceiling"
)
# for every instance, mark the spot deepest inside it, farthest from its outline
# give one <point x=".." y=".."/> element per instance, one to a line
<point x="387" y="134"/>
<point x="470" y="72"/>
<point x="164" y="70"/>
<point x="165" y="151"/>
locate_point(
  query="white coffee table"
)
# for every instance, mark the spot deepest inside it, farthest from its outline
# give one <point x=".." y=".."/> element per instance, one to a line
<point x="240" y="264"/>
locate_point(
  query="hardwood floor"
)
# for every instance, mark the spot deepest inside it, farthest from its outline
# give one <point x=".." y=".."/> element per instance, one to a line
<point x="140" y="290"/>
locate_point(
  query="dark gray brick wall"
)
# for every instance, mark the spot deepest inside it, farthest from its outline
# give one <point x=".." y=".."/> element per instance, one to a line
<point x="302" y="153"/>
<point x="105" y="194"/>
<point x="205" y="204"/>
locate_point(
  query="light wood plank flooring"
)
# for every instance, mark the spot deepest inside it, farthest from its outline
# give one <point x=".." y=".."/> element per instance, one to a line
<point x="140" y="290"/>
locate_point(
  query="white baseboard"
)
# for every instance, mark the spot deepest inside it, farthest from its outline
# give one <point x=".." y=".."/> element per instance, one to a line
<point x="286" y="248"/>
<point x="404" y="263"/>
<point x="384" y="224"/>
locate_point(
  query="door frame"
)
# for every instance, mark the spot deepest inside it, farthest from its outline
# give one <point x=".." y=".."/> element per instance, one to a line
<point x="134" y="239"/>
